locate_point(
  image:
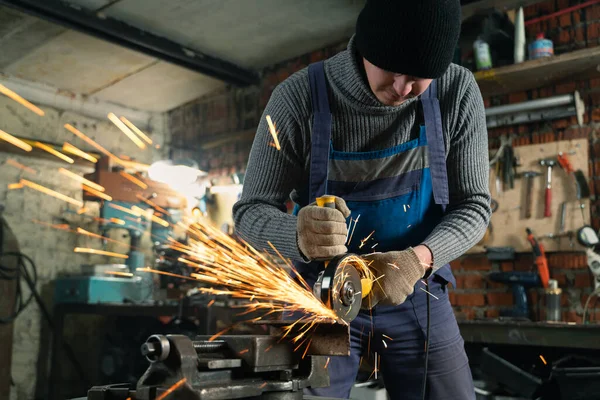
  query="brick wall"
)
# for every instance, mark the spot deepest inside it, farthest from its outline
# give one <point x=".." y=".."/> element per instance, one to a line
<point x="51" y="249"/>
<point x="227" y="113"/>
<point x="475" y="296"/>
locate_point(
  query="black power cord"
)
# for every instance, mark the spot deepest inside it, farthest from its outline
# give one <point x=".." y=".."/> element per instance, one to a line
<point x="22" y="270"/>
<point x="426" y="362"/>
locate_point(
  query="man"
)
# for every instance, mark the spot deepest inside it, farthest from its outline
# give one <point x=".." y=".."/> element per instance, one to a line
<point x="398" y="134"/>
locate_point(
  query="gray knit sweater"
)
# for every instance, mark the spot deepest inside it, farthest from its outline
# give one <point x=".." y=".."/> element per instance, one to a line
<point x="359" y="123"/>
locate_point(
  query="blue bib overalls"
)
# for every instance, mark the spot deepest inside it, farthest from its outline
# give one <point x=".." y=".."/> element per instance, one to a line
<point x="398" y="195"/>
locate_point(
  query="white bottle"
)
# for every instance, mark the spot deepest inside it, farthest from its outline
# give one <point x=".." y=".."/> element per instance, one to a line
<point x="519" y="36"/>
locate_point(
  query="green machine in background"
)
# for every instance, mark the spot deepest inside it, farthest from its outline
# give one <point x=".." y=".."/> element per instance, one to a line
<point x="119" y="283"/>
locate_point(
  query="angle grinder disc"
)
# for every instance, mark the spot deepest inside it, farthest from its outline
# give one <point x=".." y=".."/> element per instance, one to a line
<point x="340" y="288"/>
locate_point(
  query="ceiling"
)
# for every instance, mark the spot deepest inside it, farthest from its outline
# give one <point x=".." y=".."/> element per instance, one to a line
<point x="249" y="33"/>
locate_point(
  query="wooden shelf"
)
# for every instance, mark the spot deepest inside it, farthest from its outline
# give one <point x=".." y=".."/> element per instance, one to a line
<point x="576" y="65"/>
<point x="477" y="7"/>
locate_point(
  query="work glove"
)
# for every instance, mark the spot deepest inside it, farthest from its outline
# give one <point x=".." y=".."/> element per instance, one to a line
<point x="322" y="231"/>
<point x="396" y="274"/>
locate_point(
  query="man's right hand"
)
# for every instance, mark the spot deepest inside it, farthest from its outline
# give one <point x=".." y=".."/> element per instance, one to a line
<point x="322" y="231"/>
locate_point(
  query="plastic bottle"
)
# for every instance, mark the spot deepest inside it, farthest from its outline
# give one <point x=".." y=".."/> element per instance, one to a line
<point x="483" y="58"/>
<point x="541" y="47"/>
<point x="519" y="37"/>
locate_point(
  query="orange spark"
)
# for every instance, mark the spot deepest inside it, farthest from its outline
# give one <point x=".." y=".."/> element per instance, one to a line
<point x="82" y="210"/>
<point x="151" y="204"/>
<point x="159" y="221"/>
<point x="387" y="337"/>
<point x="263" y="385"/>
<point x="119" y="273"/>
<point x="14" y="96"/>
<point x="96" y="193"/>
<point x="14" y="141"/>
<point x="362" y="242"/>
<point x="117" y="221"/>
<point x="51" y="192"/>
<point x="134" y="128"/>
<point x="244" y="351"/>
<point x="81" y="179"/>
<point x="17" y="164"/>
<point x="119" y="124"/>
<point x="69" y="148"/>
<point x="543" y="359"/>
<point x="99" y="252"/>
<point x="210" y="303"/>
<point x="12" y="186"/>
<point x="273" y="132"/>
<point x="55" y="153"/>
<point x="133" y="179"/>
<point x="89" y="141"/>
<point x="327" y="362"/>
<point x="171" y="389"/>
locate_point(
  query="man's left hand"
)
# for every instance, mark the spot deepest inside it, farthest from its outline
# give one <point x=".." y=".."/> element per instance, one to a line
<point x="396" y="272"/>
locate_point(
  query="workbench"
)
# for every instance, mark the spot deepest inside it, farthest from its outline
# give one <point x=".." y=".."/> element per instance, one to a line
<point x="524" y="333"/>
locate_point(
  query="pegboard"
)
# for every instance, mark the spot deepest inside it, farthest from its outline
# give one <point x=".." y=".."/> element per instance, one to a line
<point x="508" y="222"/>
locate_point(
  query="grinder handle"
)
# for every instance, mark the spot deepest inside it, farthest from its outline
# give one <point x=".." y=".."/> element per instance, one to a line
<point x="329" y="202"/>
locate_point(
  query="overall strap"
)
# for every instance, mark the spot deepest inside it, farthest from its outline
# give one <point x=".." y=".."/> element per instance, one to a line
<point x="435" y="144"/>
<point x="321" y="131"/>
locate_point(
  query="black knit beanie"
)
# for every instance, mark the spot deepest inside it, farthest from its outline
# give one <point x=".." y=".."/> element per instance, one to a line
<point x="412" y="37"/>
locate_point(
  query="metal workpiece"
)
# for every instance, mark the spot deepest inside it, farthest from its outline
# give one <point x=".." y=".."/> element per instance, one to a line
<point x="325" y="339"/>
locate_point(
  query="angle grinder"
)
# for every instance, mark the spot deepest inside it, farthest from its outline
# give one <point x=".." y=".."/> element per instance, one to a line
<point x="340" y="285"/>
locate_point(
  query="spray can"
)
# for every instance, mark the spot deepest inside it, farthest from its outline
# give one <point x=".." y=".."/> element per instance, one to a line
<point x="519" y="50"/>
<point x="541" y="47"/>
<point x="483" y="58"/>
<point x="553" y="294"/>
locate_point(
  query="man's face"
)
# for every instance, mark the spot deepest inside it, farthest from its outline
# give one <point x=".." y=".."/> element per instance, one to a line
<point x="393" y="89"/>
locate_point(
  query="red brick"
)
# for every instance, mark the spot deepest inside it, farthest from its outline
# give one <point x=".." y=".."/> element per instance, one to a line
<point x="492" y="313"/>
<point x="594" y="303"/>
<point x="576" y="15"/>
<point x="517" y="97"/>
<point x="583" y="280"/>
<point x="595" y="82"/>
<point x="564" y="88"/>
<point x="560" y="278"/>
<point x="564" y="20"/>
<point x="530" y="11"/>
<point x="500" y="299"/>
<point x="507" y="266"/>
<point x="465" y="313"/>
<point x="593" y="31"/>
<point x="469" y="299"/>
<point x="473" y="282"/>
<point x="460" y="281"/>
<point x="475" y="263"/>
<point x="564" y="37"/>
<point x="546" y="7"/>
<point x="592" y="13"/>
<point x="560" y="123"/>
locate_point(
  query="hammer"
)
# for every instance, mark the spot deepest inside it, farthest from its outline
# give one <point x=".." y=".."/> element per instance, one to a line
<point x="549" y="163"/>
<point x="529" y="175"/>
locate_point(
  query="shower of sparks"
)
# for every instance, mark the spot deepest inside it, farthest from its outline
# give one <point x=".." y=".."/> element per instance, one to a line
<point x="69" y="148"/>
<point x="233" y="267"/>
<point x="273" y="132"/>
<point x="17" y="164"/>
<point x="12" y="186"/>
<point x="429" y="293"/>
<point x="96" y="193"/>
<point x="134" y="128"/>
<point x="14" y="141"/>
<point x="51" y="192"/>
<point x="327" y="362"/>
<point x="99" y="252"/>
<point x="81" y="179"/>
<point x="365" y="240"/>
<point x="171" y="389"/>
<point x="14" y="96"/>
<point x="125" y="129"/>
<point x="95" y="145"/>
<point x="133" y="179"/>
<point x="55" y="153"/>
